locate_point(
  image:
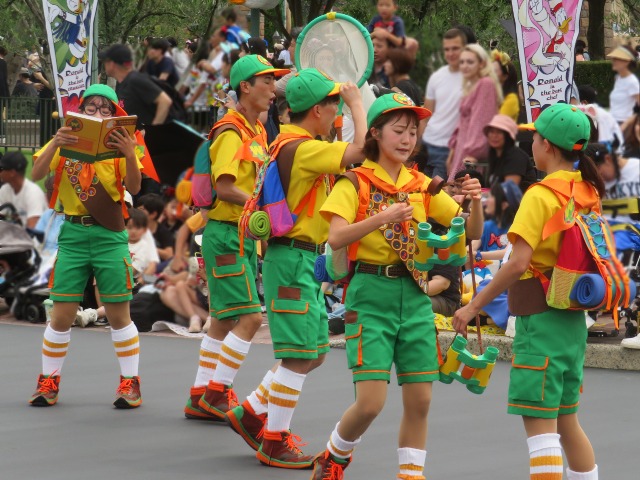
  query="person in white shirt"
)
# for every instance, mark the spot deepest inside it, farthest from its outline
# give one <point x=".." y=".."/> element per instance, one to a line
<point x="626" y="89"/>
<point x="144" y="255"/>
<point x="178" y="55"/>
<point x="442" y="97"/>
<point x="27" y="197"/>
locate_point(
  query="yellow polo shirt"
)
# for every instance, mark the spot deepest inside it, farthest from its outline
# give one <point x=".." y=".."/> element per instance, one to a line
<point x="312" y="159"/>
<point x="105" y="171"/>
<point x="222" y="153"/>
<point x="538" y="205"/>
<point x="373" y="248"/>
<point x="511" y="106"/>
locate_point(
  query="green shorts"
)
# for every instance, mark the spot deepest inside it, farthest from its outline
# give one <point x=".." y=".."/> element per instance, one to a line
<point x="295" y="303"/>
<point x="231" y="278"/>
<point x="83" y="251"/>
<point x="390" y="320"/>
<point x="547" y="365"/>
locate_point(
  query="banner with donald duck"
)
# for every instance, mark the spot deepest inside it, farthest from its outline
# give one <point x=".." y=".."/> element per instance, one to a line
<point x="70" y="32"/>
<point x="546" y="31"/>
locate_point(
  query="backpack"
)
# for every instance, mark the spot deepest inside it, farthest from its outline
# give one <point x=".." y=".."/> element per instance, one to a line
<point x="203" y="194"/>
<point x="177" y="111"/>
<point x="587" y="274"/>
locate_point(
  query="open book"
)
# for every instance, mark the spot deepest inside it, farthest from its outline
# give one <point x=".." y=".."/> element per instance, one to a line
<point x="94" y="136"/>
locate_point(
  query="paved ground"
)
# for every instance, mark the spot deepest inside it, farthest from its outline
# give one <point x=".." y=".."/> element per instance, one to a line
<point x="82" y="437"/>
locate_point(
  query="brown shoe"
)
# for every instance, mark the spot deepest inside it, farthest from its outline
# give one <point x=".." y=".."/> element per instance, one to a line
<point x="128" y="393"/>
<point x="193" y="411"/>
<point x="244" y="421"/>
<point x="328" y="467"/>
<point x="46" y="393"/>
<point x="218" y="399"/>
<point x="279" y="449"/>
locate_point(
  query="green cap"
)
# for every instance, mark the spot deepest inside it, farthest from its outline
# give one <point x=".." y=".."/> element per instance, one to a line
<point x="563" y="125"/>
<point x="391" y="102"/>
<point x="309" y="87"/>
<point x="251" y="66"/>
<point x="101" y="90"/>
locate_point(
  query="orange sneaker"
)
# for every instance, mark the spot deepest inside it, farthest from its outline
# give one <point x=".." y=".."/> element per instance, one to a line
<point x="281" y="449"/>
<point x="218" y="399"/>
<point x="193" y="411"/>
<point x="243" y="420"/>
<point x="46" y="393"/>
<point x="328" y="467"/>
<point x="128" y="393"/>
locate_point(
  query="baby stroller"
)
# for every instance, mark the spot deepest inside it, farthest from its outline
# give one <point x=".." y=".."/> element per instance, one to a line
<point x="19" y="261"/>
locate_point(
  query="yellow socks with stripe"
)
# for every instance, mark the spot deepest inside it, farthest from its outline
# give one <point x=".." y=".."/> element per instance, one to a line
<point x="232" y="354"/>
<point x="127" y="345"/>
<point x="592" y="475"/>
<point x="545" y="457"/>
<point x="411" y="461"/>
<point x="259" y="398"/>
<point x="209" y="353"/>
<point x="340" y="448"/>
<point x="54" y="350"/>
<point x="283" y="398"/>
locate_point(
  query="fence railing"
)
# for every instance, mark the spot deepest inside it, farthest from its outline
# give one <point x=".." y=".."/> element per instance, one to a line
<point x="26" y="123"/>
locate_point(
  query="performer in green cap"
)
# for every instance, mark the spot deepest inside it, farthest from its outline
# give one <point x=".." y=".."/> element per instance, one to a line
<point x="294" y="298"/>
<point x="373" y="212"/>
<point x="549" y="346"/>
<point x="238" y="149"/>
<point x="92" y="241"/>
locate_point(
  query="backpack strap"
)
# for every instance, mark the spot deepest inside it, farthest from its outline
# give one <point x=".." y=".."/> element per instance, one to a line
<point x="120" y="187"/>
<point x="56" y="183"/>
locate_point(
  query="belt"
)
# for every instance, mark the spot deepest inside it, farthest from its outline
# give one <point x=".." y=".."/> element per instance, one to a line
<point x="389" y="271"/>
<point x="84" y="220"/>
<point x="299" y="244"/>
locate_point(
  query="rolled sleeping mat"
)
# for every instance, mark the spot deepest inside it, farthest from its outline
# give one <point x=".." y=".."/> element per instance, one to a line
<point x="589" y="290"/>
<point x="320" y="270"/>
<point x="259" y="225"/>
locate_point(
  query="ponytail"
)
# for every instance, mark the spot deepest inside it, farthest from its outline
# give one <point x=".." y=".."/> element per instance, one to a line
<point x="590" y="173"/>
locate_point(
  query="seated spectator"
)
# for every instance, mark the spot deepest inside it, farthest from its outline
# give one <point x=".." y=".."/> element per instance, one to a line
<point x="27" y="197"/>
<point x="188" y="299"/>
<point x="143" y="259"/>
<point x="171" y="220"/>
<point x="506" y="161"/>
<point x="444" y="282"/>
<point x="153" y="205"/>
<point x="397" y="68"/>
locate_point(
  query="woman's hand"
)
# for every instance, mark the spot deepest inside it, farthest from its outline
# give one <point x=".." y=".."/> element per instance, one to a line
<point x="397" y="213"/>
<point x="462" y="317"/>
<point x="124" y="142"/>
<point x="64" y="137"/>
<point x="471" y="188"/>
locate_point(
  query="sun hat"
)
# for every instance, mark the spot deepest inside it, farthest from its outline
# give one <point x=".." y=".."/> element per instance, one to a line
<point x="391" y="102"/>
<point x="309" y="87"/>
<point x="504" y="123"/>
<point x="621" y="53"/>
<point x="563" y="125"/>
<point x="251" y="66"/>
<point x="102" y="90"/>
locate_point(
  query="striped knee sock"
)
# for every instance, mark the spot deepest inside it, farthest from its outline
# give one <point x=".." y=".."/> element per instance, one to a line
<point x="411" y="461"/>
<point x="54" y="350"/>
<point x="338" y="447"/>
<point x="209" y="353"/>
<point x="232" y="354"/>
<point x="283" y="398"/>
<point x="592" y="475"/>
<point x="259" y="398"/>
<point x="545" y="457"/>
<point x="127" y="345"/>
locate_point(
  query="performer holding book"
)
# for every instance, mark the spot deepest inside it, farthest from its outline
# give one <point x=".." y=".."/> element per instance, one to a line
<point x="92" y="240"/>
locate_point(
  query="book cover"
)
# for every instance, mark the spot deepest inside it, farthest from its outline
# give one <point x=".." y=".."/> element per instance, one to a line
<point x="94" y="135"/>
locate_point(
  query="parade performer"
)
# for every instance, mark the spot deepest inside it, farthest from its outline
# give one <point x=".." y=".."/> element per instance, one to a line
<point x="550" y="344"/>
<point x="294" y="298"/>
<point x="389" y="318"/>
<point x="92" y="241"/>
<point x="238" y="149"/>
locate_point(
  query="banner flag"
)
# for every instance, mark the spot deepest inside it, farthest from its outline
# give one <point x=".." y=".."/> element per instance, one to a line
<point x="546" y="32"/>
<point x="70" y="32"/>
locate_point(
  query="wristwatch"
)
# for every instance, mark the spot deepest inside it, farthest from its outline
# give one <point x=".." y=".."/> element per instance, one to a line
<point x="478" y="256"/>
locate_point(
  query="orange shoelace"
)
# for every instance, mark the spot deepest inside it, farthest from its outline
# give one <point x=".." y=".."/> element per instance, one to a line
<point x="47" y="385"/>
<point x="335" y="472"/>
<point x="125" y="387"/>
<point x="294" y="442"/>
<point x="232" y="399"/>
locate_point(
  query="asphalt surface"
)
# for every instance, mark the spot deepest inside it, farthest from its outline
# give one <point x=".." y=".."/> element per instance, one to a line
<point x="84" y="437"/>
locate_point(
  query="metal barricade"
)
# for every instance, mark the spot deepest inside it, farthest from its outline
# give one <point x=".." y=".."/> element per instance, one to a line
<point x="26" y="123"/>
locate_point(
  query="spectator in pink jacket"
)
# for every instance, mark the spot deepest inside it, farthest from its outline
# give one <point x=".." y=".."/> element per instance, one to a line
<point x="482" y="97"/>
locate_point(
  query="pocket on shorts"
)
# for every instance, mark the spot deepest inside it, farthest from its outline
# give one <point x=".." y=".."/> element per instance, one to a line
<point x="231" y="283"/>
<point x="527" y="378"/>
<point x="128" y="267"/>
<point x="290" y="324"/>
<point x="353" y="338"/>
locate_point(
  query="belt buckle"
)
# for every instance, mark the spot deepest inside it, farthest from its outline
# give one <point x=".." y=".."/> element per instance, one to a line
<point x="387" y="274"/>
<point x="85" y="224"/>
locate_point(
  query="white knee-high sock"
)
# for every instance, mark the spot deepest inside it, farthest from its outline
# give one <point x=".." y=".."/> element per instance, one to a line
<point x="283" y="398"/>
<point x="127" y="345"/>
<point x="545" y="457"/>
<point x="592" y="475"/>
<point x="339" y="447"/>
<point x="54" y="350"/>
<point x="411" y="461"/>
<point x="232" y="354"/>
<point x="209" y="354"/>
<point x="259" y="398"/>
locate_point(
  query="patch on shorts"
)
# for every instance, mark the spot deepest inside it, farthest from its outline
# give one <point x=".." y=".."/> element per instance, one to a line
<point x="225" y="260"/>
<point x="350" y="317"/>
<point x="289" y="293"/>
